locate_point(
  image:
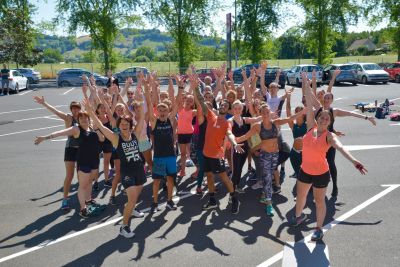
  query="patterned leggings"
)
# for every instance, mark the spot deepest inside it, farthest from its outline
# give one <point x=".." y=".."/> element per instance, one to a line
<point x="268" y="163"/>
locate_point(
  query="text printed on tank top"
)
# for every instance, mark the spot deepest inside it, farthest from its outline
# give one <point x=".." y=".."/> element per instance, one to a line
<point x="131" y="150"/>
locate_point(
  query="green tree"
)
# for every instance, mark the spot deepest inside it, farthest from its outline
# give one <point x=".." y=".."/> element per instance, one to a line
<point x="255" y="20"/>
<point x="379" y="10"/>
<point x="183" y="19"/>
<point x="146" y="51"/>
<point x="51" y="55"/>
<point x="18" y="34"/>
<point x="89" y="57"/>
<point x="323" y="19"/>
<point x="101" y="19"/>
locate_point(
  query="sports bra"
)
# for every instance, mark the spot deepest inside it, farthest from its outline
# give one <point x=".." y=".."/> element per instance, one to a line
<point x="299" y="130"/>
<point x="266" y="134"/>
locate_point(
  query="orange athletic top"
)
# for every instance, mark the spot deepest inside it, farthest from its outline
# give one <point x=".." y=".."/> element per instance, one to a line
<point x="185" y="118"/>
<point x="215" y="136"/>
<point x="314" y="153"/>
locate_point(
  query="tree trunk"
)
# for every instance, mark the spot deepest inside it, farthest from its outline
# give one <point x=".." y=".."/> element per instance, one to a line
<point x="181" y="52"/>
<point x="106" y="59"/>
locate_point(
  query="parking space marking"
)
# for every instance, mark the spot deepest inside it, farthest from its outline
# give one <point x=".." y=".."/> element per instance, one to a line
<point x="35" y="118"/>
<point x="32" y="130"/>
<point x="26" y="92"/>
<point x="73" y="88"/>
<point x="335" y="222"/>
<point x="24" y="110"/>
<point x="87" y="230"/>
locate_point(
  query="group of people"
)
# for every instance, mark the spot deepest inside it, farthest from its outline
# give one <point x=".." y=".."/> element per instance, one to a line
<point x="141" y="131"/>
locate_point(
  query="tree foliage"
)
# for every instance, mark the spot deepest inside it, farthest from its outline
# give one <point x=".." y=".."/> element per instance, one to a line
<point x="255" y="20"/>
<point x="183" y="19"/>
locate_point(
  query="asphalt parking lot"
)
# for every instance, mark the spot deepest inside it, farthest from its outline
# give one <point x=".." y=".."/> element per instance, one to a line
<point x="35" y="232"/>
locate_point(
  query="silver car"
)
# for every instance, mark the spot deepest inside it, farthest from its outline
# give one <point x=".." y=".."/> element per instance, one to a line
<point x="130" y="72"/>
<point x="370" y="72"/>
<point x="73" y="77"/>
<point x="32" y="75"/>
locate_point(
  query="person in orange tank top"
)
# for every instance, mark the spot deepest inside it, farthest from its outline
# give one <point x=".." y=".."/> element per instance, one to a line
<point x="315" y="168"/>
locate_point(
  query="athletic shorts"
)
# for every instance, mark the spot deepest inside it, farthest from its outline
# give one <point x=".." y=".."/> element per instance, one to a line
<point x="88" y="168"/>
<point x="214" y="165"/>
<point x="106" y="147"/>
<point x="70" y="154"/>
<point x="283" y="156"/>
<point x="144" y="145"/>
<point x="114" y="155"/>
<point x="164" y="166"/>
<point x="318" y="181"/>
<point x="136" y="180"/>
<point x="184" y="138"/>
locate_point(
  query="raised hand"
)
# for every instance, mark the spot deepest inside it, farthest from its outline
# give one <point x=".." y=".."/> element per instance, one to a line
<point x="92" y="80"/>
<point x="39" y="99"/>
<point x="336" y="73"/>
<point x="244" y="74"/>
<point x="230" y="75"/>
<point x="129" y="81"/>
<point x="86" y="104"/>
<point x="264" y="65"/>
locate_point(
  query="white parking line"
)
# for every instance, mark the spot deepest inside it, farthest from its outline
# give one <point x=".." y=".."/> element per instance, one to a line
<point x="23" y="110"/>
<point x="87" y="230"/>
<point x="35" y="118"/>
<point x="339" y="220"/>
<point x="73" y="88"/>
<point x="32" y="130"/>
<point x="26" y="92"/>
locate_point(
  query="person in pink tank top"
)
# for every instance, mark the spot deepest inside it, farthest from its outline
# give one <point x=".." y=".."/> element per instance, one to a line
<point x="315" y="168"/>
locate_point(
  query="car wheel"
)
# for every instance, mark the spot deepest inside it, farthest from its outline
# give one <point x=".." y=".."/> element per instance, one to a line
<point x="354" y="83"/>
<point x="385" y="82"/>
<point x="364" y="80"/>
<point x="298" y="84"/>
<point x="397" y="78"/>
<point x="30" y="80"/>
<point x="64" y="84"/>
<point x="287" y="81"/>
<point x="28" y="83"/>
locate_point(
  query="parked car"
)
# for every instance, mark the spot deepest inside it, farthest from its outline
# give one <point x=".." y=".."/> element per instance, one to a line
<point x="202" y="73"/>
<point x="294" y="75"/>
<point x="270" y="74"/>
<point x="17" y="81"/>
<point x="73" y="77"/>
<point x="347" y="73"/>
<point x="370" y="72"/>
<point x="130" y="72"/>
<point x="394" y="71"/>
<point x="32" y="75"/>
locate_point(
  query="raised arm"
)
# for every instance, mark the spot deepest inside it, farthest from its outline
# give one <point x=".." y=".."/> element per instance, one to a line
<point x="40" y="100"/>
<point x="140" y="120"/>
<point x="310" y="113"/>
<point x="332" y="81"/>
<point x="201" y="100"/>
<point x="261" y="73"/>
<point x="344" y="113"/>
<point x="230" y="76"/>
<point x="291" y="118"/>
<point x="128" y="83"/>
<point x="289" y="109"/>
<point x="150" y="109"/>
<point x="278" y="74"/>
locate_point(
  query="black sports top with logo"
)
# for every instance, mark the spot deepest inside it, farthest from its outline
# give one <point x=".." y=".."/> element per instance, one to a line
<point x="88" y="153"/>
<point x="131" y="159"/>
<point x="163" y="139"/>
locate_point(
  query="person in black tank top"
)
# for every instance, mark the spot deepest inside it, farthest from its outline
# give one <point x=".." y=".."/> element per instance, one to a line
<point x="131" y="160"/>
<point x="87" y="161"/>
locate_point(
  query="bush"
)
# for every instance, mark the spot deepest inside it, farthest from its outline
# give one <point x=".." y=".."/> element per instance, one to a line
<point x="142" y="59"/>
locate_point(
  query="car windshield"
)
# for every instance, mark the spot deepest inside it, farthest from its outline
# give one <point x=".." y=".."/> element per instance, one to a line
<point x="311" y="68"/>
<point x="272" y="70"/>
<point x="371" y="67"/>
<point x="346" y="67"/>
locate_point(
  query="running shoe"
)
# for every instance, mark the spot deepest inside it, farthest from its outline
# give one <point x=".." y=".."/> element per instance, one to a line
<point x="239" y="190"/>
<point x="171" y="205"/>
<point x="276" y="189"/>
<point x="235" y="205"/>
<point x="154" y="208"/>
<point x="212" y="204"/>
<point x="257" y="185"/>
<point x="137" y="214"/>
<point x="84" y="213"/>
<point x="296" y="221"/>
<point x="189" y="163"/>
<point x="126" y="232"/>
<point x="93" y="204"/>
<point x="108" y="183"/>
<point x="269" y="210"/>
<point x="199" y="191"/>
<point x="317" y="235"/>
<point x="95" y="186"/>
<point x="64" y="204"/>
<point x="263" y="199"/>
<point x="112" y="201"/>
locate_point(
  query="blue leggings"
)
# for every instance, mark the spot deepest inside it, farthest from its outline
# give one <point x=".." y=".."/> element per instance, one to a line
<point x="268" y="164"/>
<point x="200" y="162"/>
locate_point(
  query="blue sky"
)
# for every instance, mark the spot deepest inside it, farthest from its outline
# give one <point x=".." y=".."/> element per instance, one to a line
<point x="46" y="11"/>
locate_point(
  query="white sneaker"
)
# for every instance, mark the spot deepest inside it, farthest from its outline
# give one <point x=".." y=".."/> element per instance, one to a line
<point x="257" y="185"/>
<point x="137" y="214"/>
<point x="126" y="232"/>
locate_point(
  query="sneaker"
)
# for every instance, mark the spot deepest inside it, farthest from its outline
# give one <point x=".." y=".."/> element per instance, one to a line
<point x="126" y="232"/>
<point x="317" y="235"/>
<point x="263" y="199"/>
<point x="171" y="205"/>
<point x="111" y="173"/>
<point x="93" y="204"/>
<point x="112" y="201"/>
<point x="257" y="185"/>
<point x="269" y="210"/>
<point x="85" y="213"/>
<point x="199" y="191"/>
<point x="211" y="204"/>
<point x="95" y="186"/>
<point x="137" y="214"/>
<point x="189" y="163"/>
<point x="108" y="183"/>
<point x="235" y="205"/>
<point x="239" y="190"/>
<point x="154" y="208"/>
<point x="296" y="221"/>
<point x="276" y="189"/>
<point x="230" y="199"/>
<point x="64" y="204"/>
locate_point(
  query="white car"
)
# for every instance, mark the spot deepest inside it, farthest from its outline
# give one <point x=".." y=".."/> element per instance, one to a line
<point x="370" y="72"/>
<point x="17" y="81"/>
<point x="293" y="76"/>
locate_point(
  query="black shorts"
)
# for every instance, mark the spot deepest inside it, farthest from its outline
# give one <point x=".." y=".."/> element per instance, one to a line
<point x="133" y="180"/>
<point x="184" y="138"/>
<point x="106" y="147"/>
<point x="88" y="168"/>
<point x="70" y="154"/>
<point x="283" y="156"/>
<point x="214" y="165"/>
<point x="114" y="155"/>
<point x="318" y="181"/>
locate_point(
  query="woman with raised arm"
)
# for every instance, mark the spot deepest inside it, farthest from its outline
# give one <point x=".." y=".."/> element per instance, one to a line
<point x="87" y="160"/>
<point x="314" y="168"/>
<point x="71" y="146"/>
<point x="132" y="166"/>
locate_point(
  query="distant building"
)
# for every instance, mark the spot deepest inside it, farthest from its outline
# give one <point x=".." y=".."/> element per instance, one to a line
<point x="361" y="43"/>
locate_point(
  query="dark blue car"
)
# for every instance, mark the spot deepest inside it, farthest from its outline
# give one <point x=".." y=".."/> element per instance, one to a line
<point x="270" y="74"/>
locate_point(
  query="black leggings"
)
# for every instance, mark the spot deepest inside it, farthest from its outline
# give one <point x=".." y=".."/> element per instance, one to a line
<point x="238" y="162"/>
<point x="330" y="156"/>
